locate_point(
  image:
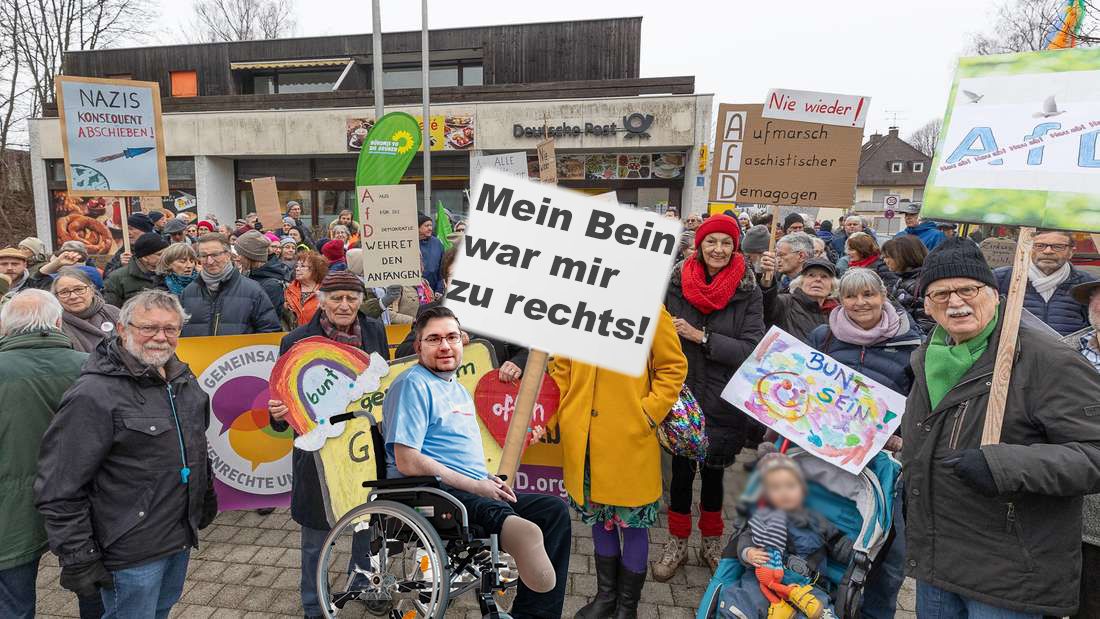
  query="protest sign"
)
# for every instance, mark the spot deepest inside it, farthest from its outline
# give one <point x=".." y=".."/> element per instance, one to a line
<point x="1018" y="144"/>
<point x="998" y="252"/>
<point x="816" y="107"/>
<point x="781" y="162"/>
<point x="391" y="250"/>
<point x="514" y="164"/>
<point x="387" y="149"/>
<point x="111" y="136"/>
<point x="548" y="162"/>
<point x="265" y="194"/>
<point x="557" y="271"/>
<point x="251" y="460"/>
<point x="827" y="408"/>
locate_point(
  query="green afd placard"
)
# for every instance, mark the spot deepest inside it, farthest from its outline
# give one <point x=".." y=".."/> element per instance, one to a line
<point x="388" y="149"/>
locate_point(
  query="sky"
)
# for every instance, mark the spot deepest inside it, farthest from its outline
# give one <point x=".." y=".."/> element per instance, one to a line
<point x="900" y="53"/>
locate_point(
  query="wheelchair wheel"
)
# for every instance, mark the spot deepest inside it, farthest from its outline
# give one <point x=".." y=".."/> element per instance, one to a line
<point x="383" y="558"/>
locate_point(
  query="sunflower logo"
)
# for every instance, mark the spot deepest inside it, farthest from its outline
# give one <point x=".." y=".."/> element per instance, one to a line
<point x="404" y="139"/>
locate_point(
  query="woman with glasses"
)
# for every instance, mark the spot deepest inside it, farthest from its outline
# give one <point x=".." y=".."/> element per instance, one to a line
<point x="87" y="319"/>
<point x="301" y="294"/>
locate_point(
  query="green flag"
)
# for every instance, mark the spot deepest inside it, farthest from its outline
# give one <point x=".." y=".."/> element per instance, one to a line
<point x="442" y="225"/>
<point x="390" y="146"/>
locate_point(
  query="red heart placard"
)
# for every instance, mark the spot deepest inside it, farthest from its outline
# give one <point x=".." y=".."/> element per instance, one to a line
<point x="496" y="400"/>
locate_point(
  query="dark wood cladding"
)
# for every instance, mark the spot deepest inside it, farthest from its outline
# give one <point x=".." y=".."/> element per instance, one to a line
<point x="602" y="49"/>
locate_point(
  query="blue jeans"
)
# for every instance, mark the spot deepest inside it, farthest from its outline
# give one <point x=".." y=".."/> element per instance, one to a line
<point x="313" y="541"/>
<point x="148" y="590"/>
<point x="935" y="603"/>
<point x="17" y="590"/>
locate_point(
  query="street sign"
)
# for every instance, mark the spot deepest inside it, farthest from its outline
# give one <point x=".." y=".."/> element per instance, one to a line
<point x="890" y="201"/>
<point x="889" y="214"/>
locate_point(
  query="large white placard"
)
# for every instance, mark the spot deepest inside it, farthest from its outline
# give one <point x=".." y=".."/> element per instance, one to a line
<point x="513" y="164"/>
<point x="391" y="247"/>
<point x="555" y="270"/>
<point x="816" y="107"/>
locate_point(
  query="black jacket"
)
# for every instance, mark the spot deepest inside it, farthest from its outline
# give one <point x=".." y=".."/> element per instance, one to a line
<point x="1061" y="313"/>
<point x="886" y="362"/>
<point x="240" y="307"/>
<point x="307" y="505"/>
<point x="109" y="483"/>
<point x="795" y="312"/>
<point x="906" y="292"/>
<point x="271" y="276"/>
<point x="1022" y="549"/>
<point x="733" y="333"/>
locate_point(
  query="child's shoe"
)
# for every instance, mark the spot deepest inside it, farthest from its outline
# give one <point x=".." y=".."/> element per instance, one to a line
<point x="803" y="598"/>
<point x="781" y="610"/>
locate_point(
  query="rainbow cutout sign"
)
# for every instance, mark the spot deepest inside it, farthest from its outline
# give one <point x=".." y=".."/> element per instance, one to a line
<point x="825" y="407"/>
<point x="316" y="379"/>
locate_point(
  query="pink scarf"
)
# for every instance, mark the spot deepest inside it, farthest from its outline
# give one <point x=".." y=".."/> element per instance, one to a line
<point x="848" y="331"/>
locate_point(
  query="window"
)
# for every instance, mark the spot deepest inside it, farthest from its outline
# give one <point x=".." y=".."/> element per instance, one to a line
<point x="120" y="76"/>
<point x="878" y="195"/>
<point x="263" y="84"/>
<point x="282" y="82"/>
<point x="918" y="194"/>
<point x="918" y="166"/>
<point x="438" y="76"/>
<point x="472" y="75"/>
<point x="897" y="167"/>
<point x="184" y="83"/>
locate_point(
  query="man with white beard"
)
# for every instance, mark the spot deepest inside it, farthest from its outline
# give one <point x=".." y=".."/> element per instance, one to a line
<point x="123" y="481"/>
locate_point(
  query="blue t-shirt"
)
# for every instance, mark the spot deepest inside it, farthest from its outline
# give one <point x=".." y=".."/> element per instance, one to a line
<point x="436" y="417"/>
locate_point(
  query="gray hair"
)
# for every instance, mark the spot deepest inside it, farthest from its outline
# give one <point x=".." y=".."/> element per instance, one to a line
<point x="75" y="273"/>
<point x="151" y="299"/>
<point x="29" y="311"/>
<point x="340" y="228"/>
<point x="858" y="279"/>
<point x="857" y="218"/>
<point x="174" y="252"/>
<point x="799" y="242"/>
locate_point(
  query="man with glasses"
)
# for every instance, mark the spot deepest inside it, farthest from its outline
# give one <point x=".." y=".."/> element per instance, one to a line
<point x="222" y="301"/>
<point x="431" y="429"/>
<point x="124" y="484"/>
<point x="994" y="530"/>
<point x="1050" y="276"/>
<point x="789" y="258"/>
<point x="338" y="319"/>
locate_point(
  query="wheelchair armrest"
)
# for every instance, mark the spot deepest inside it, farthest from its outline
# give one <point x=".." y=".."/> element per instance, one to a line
<point x="404" y="482"/>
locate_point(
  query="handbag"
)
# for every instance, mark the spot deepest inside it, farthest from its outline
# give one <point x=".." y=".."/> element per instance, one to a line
<point x="682" y="432"/>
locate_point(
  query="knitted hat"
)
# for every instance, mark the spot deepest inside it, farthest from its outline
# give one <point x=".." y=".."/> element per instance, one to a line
<point x="775" y="461"/>
<point x="342" y="280"/>
<point x="76" y="246"/>
<point x="756" y="240"/>
<point x="206" y="225"/>
<point x="35" y="246"/>
<point x="148" y="244"/>
<point x="289" y="221"/>
<point x="287" y="240"/>
<point x="333" y="250"/>
<point x="155" y="216"/>
<point x="271" y="236"/>
<point x="792" y="219"/>
<point x="175" y="226"/>
<point x="253" y="245"/>
<point x="719" y="223"/>
<point x="140" y="221"/>
<point x="243" y="230"/>
<point x="421" y="218"/>
<point x="956" y="257"/>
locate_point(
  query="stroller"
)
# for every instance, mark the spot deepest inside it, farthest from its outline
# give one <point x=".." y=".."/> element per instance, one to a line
<point x="861" y="506"/>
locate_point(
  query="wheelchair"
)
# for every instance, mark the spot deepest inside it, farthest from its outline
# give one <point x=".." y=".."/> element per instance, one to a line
<point x="407" y="552"/>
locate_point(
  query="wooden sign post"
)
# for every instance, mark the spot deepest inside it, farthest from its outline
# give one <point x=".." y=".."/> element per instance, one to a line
<point x="1006" y="349"/>
<point x="124" y="213"/>
<point x="770" y="275"/>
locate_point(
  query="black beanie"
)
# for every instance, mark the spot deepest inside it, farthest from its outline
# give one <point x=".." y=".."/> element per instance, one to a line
<point x="956" y="257"/>
<point x="148" y="244"/>
<point x="790" y="220"/>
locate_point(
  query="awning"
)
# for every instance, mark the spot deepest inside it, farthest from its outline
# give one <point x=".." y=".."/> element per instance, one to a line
<point x="288" y="64"/>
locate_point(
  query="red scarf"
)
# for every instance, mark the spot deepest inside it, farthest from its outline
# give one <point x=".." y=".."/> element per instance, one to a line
<point x="708" y="298"/>
<point x="864" y="263"/>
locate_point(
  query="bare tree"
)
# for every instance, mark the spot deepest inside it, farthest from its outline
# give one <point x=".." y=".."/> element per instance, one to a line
<point x="1023" y="25"/>
<point x="243" y="20"/>
<point x="927" y="137"/>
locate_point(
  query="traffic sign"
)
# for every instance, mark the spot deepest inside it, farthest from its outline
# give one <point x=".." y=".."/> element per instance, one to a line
<point x="891" y="201"/>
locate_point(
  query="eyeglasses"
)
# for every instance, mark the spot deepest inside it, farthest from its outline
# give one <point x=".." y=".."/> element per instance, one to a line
<point x="152" y="330"/>
<point x="1052" y="246"/>
<point x="965" y="293"/>
<point x="75" y="291"/>
<point x="351" y="299"/>
<point x="435" y="340"/>
<point x="212" y="256"/>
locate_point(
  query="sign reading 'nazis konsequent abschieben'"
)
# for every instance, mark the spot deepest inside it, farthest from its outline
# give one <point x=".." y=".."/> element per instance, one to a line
<point x="552" y="269"/>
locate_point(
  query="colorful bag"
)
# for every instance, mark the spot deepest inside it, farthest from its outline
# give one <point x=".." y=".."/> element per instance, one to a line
<point x="682" y="433"/>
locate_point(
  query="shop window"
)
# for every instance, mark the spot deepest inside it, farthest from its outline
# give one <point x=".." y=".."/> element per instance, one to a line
<point x="303" y="196"/>
<point x="331" y="202"/>
<point x="282" y="82"/>
<point x="185" y="83"/>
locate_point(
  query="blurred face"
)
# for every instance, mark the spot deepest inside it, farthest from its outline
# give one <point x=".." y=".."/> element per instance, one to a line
<point x="74" y="295"/>
<point x="671" y="215"/>
<point x="294" y="234"/>
<point x="694" y="221"/>
<point x="912" y="219"/>
<point x="295" y="211"/>
<point x="717" y="250"/>
<point x="790" y="261"/>
<point x="439" y="345"/>
<point x="1050" y="251"/>
<point x="783" y="490"/>
<point x="303" y="272"/>
<point x="744" y="221"/>
<point x="962" y="318"/>
<point x="864" y="307"/>
<point x="183" y="267"/>
<point x="13" y="267"/>
<point x="213" y="257"/>
<point x="340" y="235"/>
<point x="151" y="261"/>
<point x="287" y="228"/>
<point x="426" y="229"/>
<point x="345" y="218"/>
<point x="287" y="252"/>
<point x="342" y="306"/>
<point x="819" y="248"/>
<point x="797" y="226"/>
<point x="192" y="230"/>
<point x="151" y="335"/>
<point x="817" y="283"/>
<point x="853" y="225"/>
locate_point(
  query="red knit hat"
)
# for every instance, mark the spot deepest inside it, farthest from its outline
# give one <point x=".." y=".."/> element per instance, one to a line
<point x="333" y="250"/>
<point x="719" y="223"/>
<point x="206" y="225"/>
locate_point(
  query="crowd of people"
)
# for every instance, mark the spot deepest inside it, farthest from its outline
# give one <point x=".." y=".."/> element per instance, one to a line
<point x="107" y="462"/>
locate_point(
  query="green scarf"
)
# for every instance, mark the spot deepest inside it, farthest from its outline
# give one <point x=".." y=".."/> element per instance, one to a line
<point x="945" y="365"/>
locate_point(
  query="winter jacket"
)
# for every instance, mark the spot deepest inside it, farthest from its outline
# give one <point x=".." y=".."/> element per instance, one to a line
<point x="1061" y="313"/>
<point x="608" y="420"/>
<point x="239" y="307"/>
<point x="733" y="333"/>
<point x="927" y="232"/>
<point x="1020" y="550"/>
<point x="38" y="368"/>
<point x="271" y="276"/>
<point x="307" y="505"/>
<point x="114" y="263"/>
<point x="888" y="277"/>
<point x="810" y="536"/>
<point x="886" y="362"/>
<point x="794" y="312"/>
<point x="906" y="291"/>
<point x="109" y="474"/>
<point x="431" y="256"/>
<point x="840" y="239"/>
<point x="302" y="311"/>
<point x="126" y="282"/>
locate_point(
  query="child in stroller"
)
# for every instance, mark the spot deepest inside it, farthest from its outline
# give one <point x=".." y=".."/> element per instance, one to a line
<point x="786" y="545"/>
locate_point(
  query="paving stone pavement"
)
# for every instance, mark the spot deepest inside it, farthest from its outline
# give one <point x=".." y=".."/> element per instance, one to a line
<point x="248" y="566"/>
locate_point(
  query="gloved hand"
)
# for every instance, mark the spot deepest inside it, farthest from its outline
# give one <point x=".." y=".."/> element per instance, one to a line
<point x="85" y="579"/>
<point x="971" y="467"/>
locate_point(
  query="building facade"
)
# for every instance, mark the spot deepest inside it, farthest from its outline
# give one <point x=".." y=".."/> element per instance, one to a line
<point x="298" y="110"/>
<point x="889" y="166"/>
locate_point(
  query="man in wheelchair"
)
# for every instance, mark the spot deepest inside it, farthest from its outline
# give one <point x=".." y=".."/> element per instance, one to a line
<point x="430" y="428"/>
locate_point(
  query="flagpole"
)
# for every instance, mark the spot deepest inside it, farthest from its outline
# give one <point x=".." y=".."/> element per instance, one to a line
<point x="376" y="62"/>
<point x="427" y="138"/>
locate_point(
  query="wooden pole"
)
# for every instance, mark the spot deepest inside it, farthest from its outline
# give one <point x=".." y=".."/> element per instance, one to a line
<point x="528" y="395"/>
<point x="124" y="208"/>
<point x="1006" y="349"/>
<point x="769" y="275"/>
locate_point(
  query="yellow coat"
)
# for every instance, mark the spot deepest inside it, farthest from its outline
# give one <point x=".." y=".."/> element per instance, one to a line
<point x="604" y="413"/>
